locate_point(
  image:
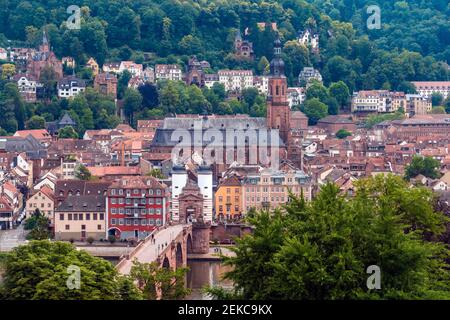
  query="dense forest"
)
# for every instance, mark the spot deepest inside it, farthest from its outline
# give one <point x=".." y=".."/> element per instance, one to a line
<point x="413" y="40"/>
<point x="413" y="43"/>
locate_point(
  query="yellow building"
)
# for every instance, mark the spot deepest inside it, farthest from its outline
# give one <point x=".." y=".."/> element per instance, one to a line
<point x="228" y="199"/>
<point x="92" y="64"/>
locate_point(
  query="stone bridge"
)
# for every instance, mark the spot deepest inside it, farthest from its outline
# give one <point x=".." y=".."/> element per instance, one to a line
<point x="169" y="246"/>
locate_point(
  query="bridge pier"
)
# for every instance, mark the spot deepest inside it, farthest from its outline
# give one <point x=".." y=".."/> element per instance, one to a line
<point x="200" y="238"/>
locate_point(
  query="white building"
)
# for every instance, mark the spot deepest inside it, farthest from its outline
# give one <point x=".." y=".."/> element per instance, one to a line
<point x="179" y="180"/>
<point x="262" y="84"/>
<point x="3" y="54"/>
<point x="148" y="75"/>
<point x="309" y="39"/>
<point x="307" y="75"/>
<point x="70" y="86"/>
<point x="135" y="69"/>
<point x="111" y="67"/>
<point x="205" y="184"/>
<point x="210" y="79"/>
<point x="27" y="85"/>
<point x="169" y="72"/>
<point x="236" y="80"/>
<point x="427" y="88"/>
<point x="378" y="101"/>
<point x="296" y="96"/>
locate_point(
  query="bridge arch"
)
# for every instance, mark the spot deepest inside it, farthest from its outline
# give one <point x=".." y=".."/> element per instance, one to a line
<point x="189" y="243"/>
<point x="166" y="263"/>
<point x="116" y="232"/>
<point x="179" y="256"/>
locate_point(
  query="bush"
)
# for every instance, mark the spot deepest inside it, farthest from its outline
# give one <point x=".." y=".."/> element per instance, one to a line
<point x="90" y="240"/>
<point x="72" y="240"/>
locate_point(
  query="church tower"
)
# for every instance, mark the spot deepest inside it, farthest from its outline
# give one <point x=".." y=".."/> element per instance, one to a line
<point x="278" y="110"/>
<point x="45" y="47"/>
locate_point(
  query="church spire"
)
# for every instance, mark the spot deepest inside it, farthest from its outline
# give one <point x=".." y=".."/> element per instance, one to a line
<point x="277" y="63"/>
<point x="44" y="38"/>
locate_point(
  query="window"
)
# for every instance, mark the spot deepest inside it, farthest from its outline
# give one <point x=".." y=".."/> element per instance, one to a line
<point x="113" y="200"/>
<point x="83" y="227"/>
<point x="121" y="222"/>
<point x="128" y="222"/>
<point x="113" y="192"/>
<point x="151" y="222"/>
<point x="99" y="227"/>
<point x="136" y="222"/>
<point x="80" y="216"/>
<point x="113" y="211"/>
<point x="158" y="222"/>
<point x="144" y="222"/>
<point x="75" y="217"/>
<point x="88" y="216"/>
<point x="158" y="200"/>
<point x="69" y="216"/>
<point x="67" y="227"/>
<point x="94" y="216"/>
<point x="61" y="216"/>
<point x="102" y="216"/>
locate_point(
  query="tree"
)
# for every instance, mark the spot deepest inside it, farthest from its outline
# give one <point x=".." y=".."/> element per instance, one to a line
<point x="48" y="78"/>
<point x="132" y="102"/>
<point x="447" y="104"/>
<point x="436" y="99"/>
<point x="150" y="95"/>
<point x="67" y="133"/>
<point x="321" y="249"/>
<point x="317" y="90"/>
<point x="426" y="166"/>
<point x="35" y="122"/>
<point x="39" y="226"/>
<point x="314" y="110"/>
<point x="122" y="83"/>
<point x="438" y="110"/>
<point x="340" y="92"/>
<point x="342" y="134"/>
<point x="8" y="70"/>
<point x="152" y="278"/>
<point x="156" y="173"/>
<point x="263" y="65"/>
<point x="82" y="173"/>
<point x="50" y="263"/>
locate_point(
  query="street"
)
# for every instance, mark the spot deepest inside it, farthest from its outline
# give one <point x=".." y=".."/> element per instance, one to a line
<point x="10" y="239"/>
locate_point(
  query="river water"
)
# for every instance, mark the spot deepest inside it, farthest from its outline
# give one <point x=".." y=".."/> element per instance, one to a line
<point x="205" y="273"/>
